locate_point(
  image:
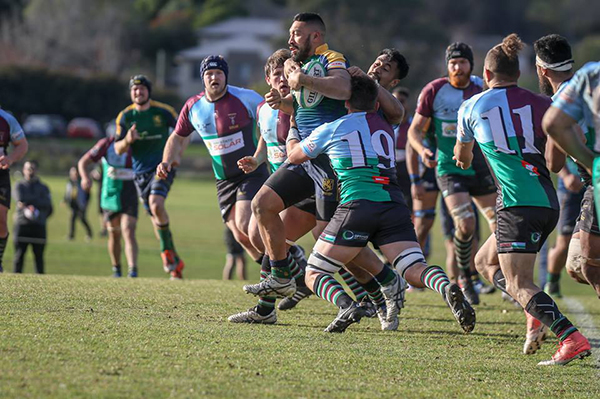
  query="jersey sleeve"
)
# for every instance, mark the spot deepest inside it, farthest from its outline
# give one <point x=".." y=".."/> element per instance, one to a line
<point x="99" y="150"/>
<point x="425" y="101"/>
<point x="16" y="131"/>
<point x="464" y="132"/>
<point x="252" y="100"/>
<point x="121" y="131"/>
<point x="335" y="60"/>
<point x="570" y="98"/>
<point x="184" y="126"/>
<point x="318" y="141"/>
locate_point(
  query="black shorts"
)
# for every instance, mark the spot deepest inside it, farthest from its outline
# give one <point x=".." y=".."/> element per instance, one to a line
<point x="524" y="229"/>
<point x="570" y="205"/>
<point x="429" y="181"/>
<point x="241" y="188"/>
<point x="149" y="184"/>
<point x="476" y="185"/>
<point x="404" y="182"/>
<point x="355" y="223"/>
<point x="588" y="220"/>
<point x="5" y="188"/>
<point x="308" y="205"/>
<point x="295" y="183"/>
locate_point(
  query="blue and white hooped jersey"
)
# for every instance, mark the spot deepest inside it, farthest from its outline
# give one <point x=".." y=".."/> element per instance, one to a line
<point x="227" y="127"/>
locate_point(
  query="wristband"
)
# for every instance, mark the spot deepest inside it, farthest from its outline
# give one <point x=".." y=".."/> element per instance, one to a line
<point x="415" y="179"/>
<point x="293" y="134"/>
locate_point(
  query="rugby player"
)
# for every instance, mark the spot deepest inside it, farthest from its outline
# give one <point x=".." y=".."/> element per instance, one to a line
<point x="551" y="50"/>
<point x="576" y="104"/>
<point x="118" y="200"/>
<point x="10" y="132"/>
<point x="438" y="104"/>
<point x="361" y="148"/>
<point x="506" y="122"/>
<point x="225" y="117"/>
<point x="401" y="131"/>
<point x="144" y="126"/>
<point x="274" y="126"/>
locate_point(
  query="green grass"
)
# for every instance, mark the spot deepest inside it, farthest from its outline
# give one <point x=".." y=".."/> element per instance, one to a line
<point x="89" y="335"/>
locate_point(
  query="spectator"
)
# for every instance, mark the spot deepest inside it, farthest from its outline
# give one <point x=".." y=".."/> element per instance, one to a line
<point x="34" y="206"/>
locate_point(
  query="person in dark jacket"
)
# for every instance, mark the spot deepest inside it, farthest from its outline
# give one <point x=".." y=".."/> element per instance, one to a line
<point x="77" y="200"/>
<point x="34" y="206"/>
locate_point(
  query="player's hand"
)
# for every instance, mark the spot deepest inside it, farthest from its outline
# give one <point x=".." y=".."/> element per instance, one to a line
<point x="428" y="158"/>
<point x="462" y="164"/>
<point x="5" y="162"/>
<point x="163" y="169"/>
<point x="355" y="71"/>
<point x="573" y="183"/>
<point x="273" y="98"/>
<point x="289" y="66"/>
<point x="248" y="164"/>
<point x="417" y="191"/>
<point x="86" y="184"/>
<point x="132" y="134"/>
<point x="295" y="79"/>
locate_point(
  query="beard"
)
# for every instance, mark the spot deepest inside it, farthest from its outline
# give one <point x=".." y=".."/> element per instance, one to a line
<point x="140" y="101"/>
<point x="461" y="80"/>
<point x="303" y="51"/>
<point x="545" y="86"/>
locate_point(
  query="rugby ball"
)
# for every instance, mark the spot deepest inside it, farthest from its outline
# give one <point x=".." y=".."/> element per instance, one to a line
<point x="305" y="97"/>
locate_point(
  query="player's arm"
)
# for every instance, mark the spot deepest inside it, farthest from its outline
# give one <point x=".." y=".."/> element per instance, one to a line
<point x="310" y="147"/>
<point x="389" y="105"/>
<point x="563" y="130"/>
<point x="465" y="140"/>
<point x="412" y="166"/>
<point x="171" y="155"/>
<point x="463" y="154"/>
<point x="20" y="149"/>
<point x="249" y="164"/>
<point x="555" y="157"/>
<point x="84" y="162"/>
<point x="416" y="133"/>
<point x="297" y="156"/>
<point x="335" y="85"/>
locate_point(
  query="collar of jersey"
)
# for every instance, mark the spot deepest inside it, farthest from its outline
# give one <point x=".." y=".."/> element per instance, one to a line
<point x="321" y="49"/>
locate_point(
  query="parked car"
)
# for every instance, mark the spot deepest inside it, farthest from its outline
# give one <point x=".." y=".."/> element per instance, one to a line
<point x="42" y="125"/>
<point x="86" y="128"/>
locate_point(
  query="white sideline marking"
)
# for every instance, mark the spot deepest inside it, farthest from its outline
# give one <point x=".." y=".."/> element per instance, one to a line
<point x="585" y="323"/>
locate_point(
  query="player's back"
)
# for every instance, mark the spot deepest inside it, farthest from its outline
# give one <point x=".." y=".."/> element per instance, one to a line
<point x="507" y="124"/>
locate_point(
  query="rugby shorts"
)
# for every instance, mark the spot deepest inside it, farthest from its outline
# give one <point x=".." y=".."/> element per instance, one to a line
<point x="241" y="188"/>
<point x="524" y="229"/>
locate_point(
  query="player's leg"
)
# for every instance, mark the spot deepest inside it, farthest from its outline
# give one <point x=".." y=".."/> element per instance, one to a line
<point x="128" y="227"/>
<point x="39" y="245"/>
<point x="20" y="248"/>
<point x="3" y="231"/>
<point x="114" y="242"/>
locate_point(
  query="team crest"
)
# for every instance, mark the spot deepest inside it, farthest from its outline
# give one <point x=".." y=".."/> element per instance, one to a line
<point x="157" y="120"/>
<point x="535" y="237"/>
<point x="232" y="119"/>
<point x="327" y="186"/>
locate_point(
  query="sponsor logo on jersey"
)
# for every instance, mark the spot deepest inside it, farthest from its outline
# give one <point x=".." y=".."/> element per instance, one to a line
<point x="448" y="129"/>
<point x="276" y="154"/>
<point x="532" y="169"/>
<point x="225" y="145"/>
<point x="349" y="235"/>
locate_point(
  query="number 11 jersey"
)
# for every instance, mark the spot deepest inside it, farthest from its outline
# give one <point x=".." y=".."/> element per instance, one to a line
<point x="507" y="124"/>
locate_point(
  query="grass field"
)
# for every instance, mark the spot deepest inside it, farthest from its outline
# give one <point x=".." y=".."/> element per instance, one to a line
<point x="79" y="333"/>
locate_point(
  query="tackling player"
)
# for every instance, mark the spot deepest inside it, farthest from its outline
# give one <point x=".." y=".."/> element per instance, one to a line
<point x="506" y="122"/>
<point x="438" y="104"/>
<point x="10" y="132"/>
<point x="577" y="103"/>
<point x="144" y="127"/>
<point x="118" y="200"/>
<point x="361" y="148"/>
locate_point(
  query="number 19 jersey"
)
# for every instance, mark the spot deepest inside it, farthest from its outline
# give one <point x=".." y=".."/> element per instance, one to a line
<point x="361" y="148"/>
<point x="507" y="124"/>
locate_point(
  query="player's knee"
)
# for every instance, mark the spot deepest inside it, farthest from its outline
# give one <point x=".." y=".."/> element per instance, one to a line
<point x="266" y="202"/>
<point x="322" y="264"/>
<point x="408" y="258"/>
<point x="256" y="240"/>
<point x="490" y="215"/>
<point x="463" y="217"/>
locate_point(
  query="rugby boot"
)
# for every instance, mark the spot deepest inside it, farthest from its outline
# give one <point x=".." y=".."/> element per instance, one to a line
<point x="461" y="309"/>
<point x="345" y="317"/>
<point x="290" y="303"/>
<point x="468" y="290"/>
<point x="394" y="298"/>
<point x="133" y="272"/>
<point x="575" y="346"/>
<point x="536" y="334"/>
<point x="552" y="288"/>
<point x="169" y="258"/>
<point x="272" y="286"/>
<point x="116" y="271"/>
<point x="369" y="306"/>
<point x="253" y="317"/>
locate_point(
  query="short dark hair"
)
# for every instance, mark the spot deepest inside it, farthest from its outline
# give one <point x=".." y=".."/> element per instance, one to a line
<point x="503" y="59"/>
<point x="401" y="90"/>
<point x="399" y="59"/>
<point x="552" y="49"/>
<point x="364" y="93"/>
<point x="276" y="60"/>
<point x="310" y="18"/>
